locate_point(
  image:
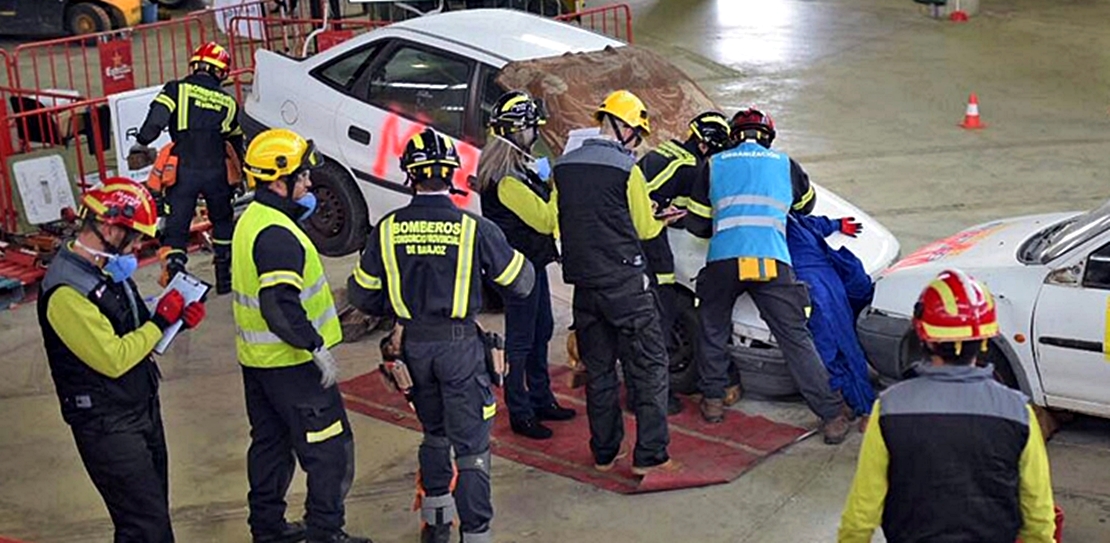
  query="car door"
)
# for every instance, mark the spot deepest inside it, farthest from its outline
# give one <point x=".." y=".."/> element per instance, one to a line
<point x="1071" y="324"/>
<point x="406" y="87"/>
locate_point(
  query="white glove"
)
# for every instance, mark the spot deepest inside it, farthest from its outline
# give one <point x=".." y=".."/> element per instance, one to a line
<point x="328" y="367"/>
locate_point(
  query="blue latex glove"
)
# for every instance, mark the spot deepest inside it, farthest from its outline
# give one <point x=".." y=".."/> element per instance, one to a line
<point x="543" y="168"/>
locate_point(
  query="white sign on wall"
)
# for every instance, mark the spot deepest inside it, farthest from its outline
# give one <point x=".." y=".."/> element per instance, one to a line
<point x="44" y="188"/>
<point x="129" y="110"/>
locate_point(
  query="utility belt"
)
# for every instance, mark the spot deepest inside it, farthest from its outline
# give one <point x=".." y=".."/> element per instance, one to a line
<point x="454" y="331"/>
<point x="395" y="371"/>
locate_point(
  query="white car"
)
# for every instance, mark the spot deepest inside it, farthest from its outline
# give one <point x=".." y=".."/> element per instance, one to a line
<point x="360" y="101"/>
<point x="1050" y="275"/>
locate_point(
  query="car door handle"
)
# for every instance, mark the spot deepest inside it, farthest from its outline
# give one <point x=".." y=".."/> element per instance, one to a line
<point x="359" y="135"/>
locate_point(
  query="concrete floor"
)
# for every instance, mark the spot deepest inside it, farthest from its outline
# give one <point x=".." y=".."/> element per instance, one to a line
<point x="866" y="93"/>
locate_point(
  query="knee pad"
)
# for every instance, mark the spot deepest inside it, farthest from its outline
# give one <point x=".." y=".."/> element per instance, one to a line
<point x="438" y="510"/>
<point x="474" y="462"/>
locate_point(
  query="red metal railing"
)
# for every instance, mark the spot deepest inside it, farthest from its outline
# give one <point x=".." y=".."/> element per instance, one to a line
<point x="614" y="21"/>
<point x="158" y="53"/>
<point x="289" y="35"/>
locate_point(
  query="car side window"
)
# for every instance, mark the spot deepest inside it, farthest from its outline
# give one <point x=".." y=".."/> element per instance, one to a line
<point x="427" y="87"/>
<point x="341" y="72"/>
<point x="491" y="92"/>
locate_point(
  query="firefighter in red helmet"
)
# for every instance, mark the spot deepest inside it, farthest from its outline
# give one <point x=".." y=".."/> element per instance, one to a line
<point x="203" y="121"/>
<point x="99" y="336"/>
<point x="952" y="451"/>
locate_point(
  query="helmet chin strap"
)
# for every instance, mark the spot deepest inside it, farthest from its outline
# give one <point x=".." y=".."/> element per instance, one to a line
<point x="617" y="131"/>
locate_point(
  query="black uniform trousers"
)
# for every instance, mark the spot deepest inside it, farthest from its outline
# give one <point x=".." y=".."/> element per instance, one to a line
<point x="622" y="322"/>
<point x="293" y="419"/>
<point x="782" y="304"/>
<point x="453" y="400"/>
<point x="182" y="200"/>
<point x="130" y="470"/>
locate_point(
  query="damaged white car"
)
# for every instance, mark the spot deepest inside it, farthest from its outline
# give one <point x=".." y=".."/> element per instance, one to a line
<point x="1050" y="275"/>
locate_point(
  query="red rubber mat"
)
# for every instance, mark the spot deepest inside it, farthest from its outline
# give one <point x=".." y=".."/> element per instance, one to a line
<point x="709" y="454"/>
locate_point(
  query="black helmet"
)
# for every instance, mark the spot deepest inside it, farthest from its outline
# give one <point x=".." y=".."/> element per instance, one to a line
<point x="711" y="128"/>
<point x="430" y="154"/>
<point x="516" y="111"/>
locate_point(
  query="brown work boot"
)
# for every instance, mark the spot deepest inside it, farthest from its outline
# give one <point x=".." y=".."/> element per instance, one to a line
<point x="670" y="466"/>
<point x="733" y="394"/>
<point x="713" y="410"/>
<point x="836" y="430"/>
<point x="863" y="423"/>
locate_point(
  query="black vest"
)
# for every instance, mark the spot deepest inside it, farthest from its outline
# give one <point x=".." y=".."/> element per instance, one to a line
<point x="600" y="246"/>
<point x="86" y="395"/>
<point x="536" y="247"/>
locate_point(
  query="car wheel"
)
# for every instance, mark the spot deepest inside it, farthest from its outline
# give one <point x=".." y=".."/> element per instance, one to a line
<point x="341" y="222"/>
<point x="1003" y="371"/>
<point x="763" y="372"/>
<point x="685" y="345"/>
<point x="87" y="18"/>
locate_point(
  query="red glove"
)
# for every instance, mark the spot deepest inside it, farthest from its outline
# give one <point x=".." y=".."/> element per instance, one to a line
<point x="193" y="314"/>
<point x="169" y="309"/>
<point x="849" y="226"/>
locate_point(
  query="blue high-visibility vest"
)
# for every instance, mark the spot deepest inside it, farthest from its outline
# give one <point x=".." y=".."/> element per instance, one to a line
<point x="751" y="193"/>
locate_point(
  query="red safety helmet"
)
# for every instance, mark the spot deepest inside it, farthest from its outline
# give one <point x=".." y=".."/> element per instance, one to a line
<point x="122" y="202"/>
<point x="954" y="308"/>
<point x="212" y="54"/>
<point x="751" y="119"/>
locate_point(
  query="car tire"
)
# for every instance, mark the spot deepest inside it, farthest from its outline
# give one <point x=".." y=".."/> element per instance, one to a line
<point x="685" y="339"/>
<point x="341" y="222"/>
<point x="86" y="18"/>
<point x="1003" y="370"/>
<point x="763" y="372"/>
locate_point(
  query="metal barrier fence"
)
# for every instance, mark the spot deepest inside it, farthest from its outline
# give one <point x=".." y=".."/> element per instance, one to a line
<point x="614" y="21"/>
<point x="289" y="35"/>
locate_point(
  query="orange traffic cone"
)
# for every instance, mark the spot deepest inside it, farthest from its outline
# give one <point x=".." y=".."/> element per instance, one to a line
<point x="971" y="117"/>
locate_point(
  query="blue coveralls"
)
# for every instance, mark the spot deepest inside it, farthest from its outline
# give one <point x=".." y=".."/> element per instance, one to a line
<point x="838" y="289"/>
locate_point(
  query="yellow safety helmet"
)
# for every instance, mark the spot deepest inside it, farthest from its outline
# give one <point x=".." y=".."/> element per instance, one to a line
<point x="278" y="153"/>
<point x="628" y="108"/>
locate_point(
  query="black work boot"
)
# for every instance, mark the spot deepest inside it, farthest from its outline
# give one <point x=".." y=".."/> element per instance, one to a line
<point x="175" y="263"/>
<point x="292" y="532"/>
<point x="339" y="537"/>
<point x="555" y="412"/>
<point x="531" y="428"/>
<point x="435" y="533"/>
<point x="223" y="272"/>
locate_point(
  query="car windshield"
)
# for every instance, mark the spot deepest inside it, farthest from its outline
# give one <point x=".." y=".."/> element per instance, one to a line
<point x="1055" y="241"/>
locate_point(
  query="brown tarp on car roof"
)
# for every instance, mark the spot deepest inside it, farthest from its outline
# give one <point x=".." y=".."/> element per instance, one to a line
<point x="574" y="85"/>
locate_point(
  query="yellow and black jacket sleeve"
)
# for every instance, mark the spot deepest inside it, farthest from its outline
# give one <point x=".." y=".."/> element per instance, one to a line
<point x="699" y="219"/>
<point x="539" y="215"/>
<point x="160" y="113"/>
<point x="639" y="206"/>
<point x="90" y="335"/>
<point x="863" y="512"/>
<point x="279" y="258"/>
<point x="366" y="288"/>
<point x="506" y="266"/>
<point x="804" y="195"/>
<point x="1038" y="511"/>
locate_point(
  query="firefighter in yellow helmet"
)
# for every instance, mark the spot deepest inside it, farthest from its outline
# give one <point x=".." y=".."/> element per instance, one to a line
<point x="286" y="322"/>
<point x="604" y="215"/>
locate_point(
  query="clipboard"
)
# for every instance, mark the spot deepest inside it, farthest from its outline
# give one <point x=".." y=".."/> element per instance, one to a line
<point x="192" y="289"/>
